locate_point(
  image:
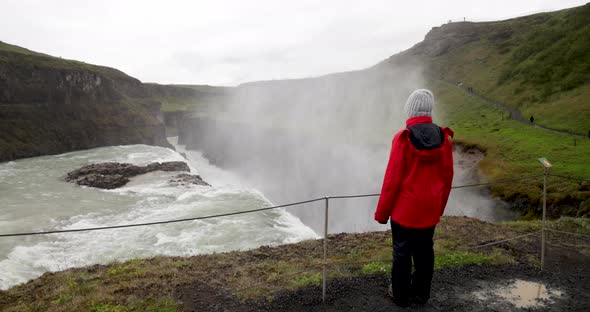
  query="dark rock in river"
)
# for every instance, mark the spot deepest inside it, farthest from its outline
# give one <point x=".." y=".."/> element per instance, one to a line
<point x="109" y="181"/>
<point x="184" y="179"/>
<point x="111" y="175"/>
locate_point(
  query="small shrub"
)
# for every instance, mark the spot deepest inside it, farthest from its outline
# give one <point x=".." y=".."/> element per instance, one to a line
<point x="355" y="253"/>
<point x="308" y="280"/>
<point x="182" y="265"/>
<point x="376" y="267"/>
<point x="63" y="299"/>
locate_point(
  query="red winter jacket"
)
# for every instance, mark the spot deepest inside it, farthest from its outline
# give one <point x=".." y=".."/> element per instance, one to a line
<point x="417" y="182"/>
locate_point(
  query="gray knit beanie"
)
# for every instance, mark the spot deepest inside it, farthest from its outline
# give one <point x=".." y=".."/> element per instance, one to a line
<point x="419" y="103"/>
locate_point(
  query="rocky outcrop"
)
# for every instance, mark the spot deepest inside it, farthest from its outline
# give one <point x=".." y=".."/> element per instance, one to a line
<point x="439" y="40"/>
<point x="112" y="175"/>
<point x="187" y="179"/>
<point x="49" y="105"/>
<point x="107" y="182"/>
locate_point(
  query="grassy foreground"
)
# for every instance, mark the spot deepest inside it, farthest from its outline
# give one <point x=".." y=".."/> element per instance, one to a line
<point x="151" y="284"/>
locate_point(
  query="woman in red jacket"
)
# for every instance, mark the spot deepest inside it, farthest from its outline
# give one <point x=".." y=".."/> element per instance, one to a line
<point x="415" y="191"/>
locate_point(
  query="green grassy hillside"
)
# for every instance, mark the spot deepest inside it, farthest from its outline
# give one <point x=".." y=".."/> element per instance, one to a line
<point x="538" y="64"/>
<point x="512" y="150"/>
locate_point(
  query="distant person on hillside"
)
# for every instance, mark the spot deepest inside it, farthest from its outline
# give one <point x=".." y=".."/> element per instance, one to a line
<point x="415" y="191"/>
<point x="532" y="119"/>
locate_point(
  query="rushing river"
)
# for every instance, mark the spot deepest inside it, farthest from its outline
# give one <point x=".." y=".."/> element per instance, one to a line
<point x="34" y="197"/>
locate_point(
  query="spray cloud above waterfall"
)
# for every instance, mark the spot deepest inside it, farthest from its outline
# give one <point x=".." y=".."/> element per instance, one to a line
<point x="307" y="138"/>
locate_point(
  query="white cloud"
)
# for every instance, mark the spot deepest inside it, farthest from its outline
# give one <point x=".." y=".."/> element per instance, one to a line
<point x="229" y="42"/>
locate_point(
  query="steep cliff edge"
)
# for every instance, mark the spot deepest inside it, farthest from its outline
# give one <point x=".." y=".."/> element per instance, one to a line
<point x="49" y="105"/>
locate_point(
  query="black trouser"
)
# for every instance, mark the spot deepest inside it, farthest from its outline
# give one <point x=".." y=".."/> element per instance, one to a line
<point x="412" y="244"/>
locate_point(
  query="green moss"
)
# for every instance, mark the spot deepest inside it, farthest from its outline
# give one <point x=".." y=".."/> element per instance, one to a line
<point x="459" y="258"/>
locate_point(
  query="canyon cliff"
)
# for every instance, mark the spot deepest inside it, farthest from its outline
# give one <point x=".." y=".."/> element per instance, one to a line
<point x="50" y="105"/>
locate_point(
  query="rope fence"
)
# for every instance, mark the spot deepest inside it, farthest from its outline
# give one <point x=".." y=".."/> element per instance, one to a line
<point x="161" y="222"/>
<point x="569" y="233"/>
<point x="569" y="178"/>
<point x="503" y="240"/>
<point x="252" y="210"/>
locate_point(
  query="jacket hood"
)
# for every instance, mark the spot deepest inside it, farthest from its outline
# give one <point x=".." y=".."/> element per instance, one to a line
<point x="429" y="155"/>
<point x="426" y="138"/>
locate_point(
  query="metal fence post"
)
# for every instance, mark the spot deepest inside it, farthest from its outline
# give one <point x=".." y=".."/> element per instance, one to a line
<point x="544" y="232"/>
<point x="325" y="266"/>
<point x="546" y="165"/>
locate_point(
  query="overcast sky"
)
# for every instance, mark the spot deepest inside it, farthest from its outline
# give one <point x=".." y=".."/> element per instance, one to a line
<point x="223" y="42"/>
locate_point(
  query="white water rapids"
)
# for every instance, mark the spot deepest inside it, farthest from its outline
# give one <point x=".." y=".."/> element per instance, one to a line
<point x="34" y="197"/>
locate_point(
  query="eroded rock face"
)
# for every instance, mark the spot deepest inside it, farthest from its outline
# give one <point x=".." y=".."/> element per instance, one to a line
<point x="112" y="175"/>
